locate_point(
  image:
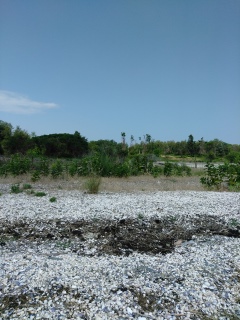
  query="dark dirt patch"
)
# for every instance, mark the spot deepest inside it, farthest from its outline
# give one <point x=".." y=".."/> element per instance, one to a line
<point x="118" y="237"/>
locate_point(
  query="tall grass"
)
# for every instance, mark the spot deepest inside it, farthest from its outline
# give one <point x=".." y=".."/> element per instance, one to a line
<point x="92" y="184"/>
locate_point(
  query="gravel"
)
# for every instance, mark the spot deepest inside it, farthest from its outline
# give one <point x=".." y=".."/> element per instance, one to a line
<point x="141" y="255"/>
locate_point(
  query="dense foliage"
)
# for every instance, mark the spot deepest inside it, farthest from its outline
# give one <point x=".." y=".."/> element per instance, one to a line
<point x="67" y="154"/>
<point x="62" y="145"/>
<point x="225" y="175"/>
<point x="96" y="164"/>
<point x="65" y="145"/>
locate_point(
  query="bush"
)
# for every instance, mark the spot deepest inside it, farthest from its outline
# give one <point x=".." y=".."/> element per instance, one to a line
<point x="18" y="165"/>
<point x="35" y="176"/>
<point x="4" y="169"/>
<point x="168" y="169"/>
<point x="15" y="188"/>
<point x="156" y="171"/>
<point x="43" y="167"/>
<point x="73" y="168"/>
<point x="56" y="169"/>
<point x="181" y="170"/>
<point x="121" y="170"/>
<point x="215" y="176"/>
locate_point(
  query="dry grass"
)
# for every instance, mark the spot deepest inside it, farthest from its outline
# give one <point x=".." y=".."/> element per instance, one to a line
<point x="144" y="183"/>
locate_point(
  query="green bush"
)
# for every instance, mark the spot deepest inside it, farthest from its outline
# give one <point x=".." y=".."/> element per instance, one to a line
<point x="43" y="166"/>
<point x="35" y="176"/>
<point x="19" y="165"/>
<point x="215" y="176"/>
<point x="4" y="169"/>
<point x="73" y="168"/>
<point x="233" y="157"/>
<point x="156" y="171"/>
<point x="181" y="170"/>
<point x="57" y="169"/>
<point x="121" y="170"/>
<point x="168" y="169"/>
<point x="15" y="188"/>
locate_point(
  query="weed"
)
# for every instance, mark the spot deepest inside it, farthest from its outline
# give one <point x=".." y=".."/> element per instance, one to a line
<point x="27" y="186"/>
<point x="92" y="184"/>
<point x="235" y="188"/>
<point x="30" y="192"/>
<point x="234" y="223"/>
<point x="172" y="219"/>
<point x="40" y="194"/>
<point x="63" y="244"/>
<point x="15" y="188"/>
<point x="53" y="199"/>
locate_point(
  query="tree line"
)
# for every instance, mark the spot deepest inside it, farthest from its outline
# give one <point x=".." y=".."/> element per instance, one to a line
<point x="66" y="145"/>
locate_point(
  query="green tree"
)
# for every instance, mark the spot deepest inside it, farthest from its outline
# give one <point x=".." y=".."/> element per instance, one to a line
<point x="192" y="148"/>
<point x="131" y="140"/>
<point x="62" y="145"/>
<point x="18" y="142"/>
<point x="105" y="147"/>
<point x="191" y="145"/>
<point x="5" y="132"/>
<point x="123" y="134"/>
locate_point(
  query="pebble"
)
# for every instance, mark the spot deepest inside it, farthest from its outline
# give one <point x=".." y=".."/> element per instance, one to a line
<point x="42" y="280"/>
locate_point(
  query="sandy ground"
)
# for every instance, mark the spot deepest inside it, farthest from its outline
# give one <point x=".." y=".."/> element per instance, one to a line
<point x="144" y="183"/>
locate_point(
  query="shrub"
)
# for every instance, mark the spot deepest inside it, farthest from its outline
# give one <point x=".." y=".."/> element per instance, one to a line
<point x="35" y="176"/>
<point x="73" y="168"/>
<point x="15" y="188"/>
<point x="215" y="176"/>
<point x="19" y="165"/>
<point x="181" y="170"/>
<point x="43" y="167"/>
<point x="56" y="169"/>
<point x="156" y="171"/>
<point x="121" y="170"/>
<point x="168" y="169"/>
<point x="4" y="169"/>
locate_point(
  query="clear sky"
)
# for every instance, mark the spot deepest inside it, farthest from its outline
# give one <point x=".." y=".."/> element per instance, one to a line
<point x="168" y="68"/>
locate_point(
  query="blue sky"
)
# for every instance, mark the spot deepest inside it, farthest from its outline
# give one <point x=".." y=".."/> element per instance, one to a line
<point x="168" y="68"/>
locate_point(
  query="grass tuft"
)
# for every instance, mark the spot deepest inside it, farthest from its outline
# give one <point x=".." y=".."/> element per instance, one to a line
<point x="92" y="184"/>
<point x="27" y="186"/>
<point x="40" y="194"/>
